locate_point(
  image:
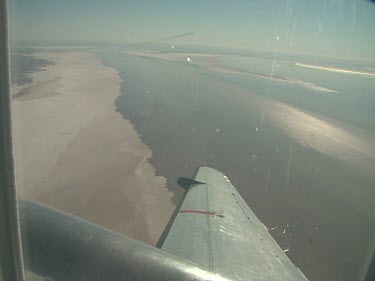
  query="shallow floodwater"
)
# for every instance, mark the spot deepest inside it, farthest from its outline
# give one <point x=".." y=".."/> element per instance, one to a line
<point x="299" y="151"/>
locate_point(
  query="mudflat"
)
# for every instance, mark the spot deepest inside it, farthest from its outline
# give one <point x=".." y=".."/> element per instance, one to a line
<point x="74" y="152"/>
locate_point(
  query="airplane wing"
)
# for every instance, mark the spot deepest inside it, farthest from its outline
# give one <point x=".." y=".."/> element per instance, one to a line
<point x="214" y="236"/>
<point x="216" y="229"/>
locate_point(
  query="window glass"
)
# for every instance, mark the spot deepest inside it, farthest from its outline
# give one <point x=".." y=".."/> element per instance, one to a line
<point x="114" y="100"/>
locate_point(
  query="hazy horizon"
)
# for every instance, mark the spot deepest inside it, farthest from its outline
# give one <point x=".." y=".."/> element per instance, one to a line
<point x="329" y="28"/>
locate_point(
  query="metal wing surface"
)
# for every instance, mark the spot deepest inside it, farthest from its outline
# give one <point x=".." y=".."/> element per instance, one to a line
<point x="215" y="228"/>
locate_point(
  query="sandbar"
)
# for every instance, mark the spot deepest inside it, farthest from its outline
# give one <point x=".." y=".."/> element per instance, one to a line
<point x="335" y="69"/>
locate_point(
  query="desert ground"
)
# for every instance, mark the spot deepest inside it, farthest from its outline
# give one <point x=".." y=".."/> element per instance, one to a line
<point x="74" y="152"/>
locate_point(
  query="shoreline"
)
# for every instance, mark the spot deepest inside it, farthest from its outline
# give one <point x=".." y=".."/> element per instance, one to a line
<point x="75" y="152"/>
<point x="212" y="62"/>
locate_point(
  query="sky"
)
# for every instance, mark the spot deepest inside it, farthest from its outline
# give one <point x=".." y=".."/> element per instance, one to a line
<point x="342" y="28"/>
